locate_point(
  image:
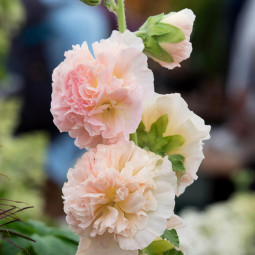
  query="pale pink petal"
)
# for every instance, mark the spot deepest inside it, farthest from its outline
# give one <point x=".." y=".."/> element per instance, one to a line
<point x="99" y="100"/>
<point x="120" y="190"/>
<point x="101" y="245"/>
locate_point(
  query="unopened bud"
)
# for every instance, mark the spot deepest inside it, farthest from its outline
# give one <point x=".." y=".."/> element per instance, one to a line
<point x="91" y="2"/>
<point x="166" y="37"/>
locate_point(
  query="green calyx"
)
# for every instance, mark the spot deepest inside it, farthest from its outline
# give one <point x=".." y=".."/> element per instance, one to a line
<point x="166" y="246"/>
<point x="153" y="32"/>
<point x="91" y="2"/>
<point x="157" y="247"/>
<point x="154" y="141"/>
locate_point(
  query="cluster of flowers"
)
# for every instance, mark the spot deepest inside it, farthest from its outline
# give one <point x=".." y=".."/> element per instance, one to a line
<point x="143" y="148"/>
<point x="224" y="228"/>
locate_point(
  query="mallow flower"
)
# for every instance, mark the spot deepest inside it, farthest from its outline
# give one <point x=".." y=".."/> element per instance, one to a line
<point x="167" y="37"/>
<point x="118" y="199"/>
<point x="98" y="99"/>
<point x="175" y="239"/>
<point x="169" y="128"/>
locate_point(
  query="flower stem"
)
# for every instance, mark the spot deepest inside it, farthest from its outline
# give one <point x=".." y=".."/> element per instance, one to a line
<point x="121" y="16"/>
<point x="113" y="4"/>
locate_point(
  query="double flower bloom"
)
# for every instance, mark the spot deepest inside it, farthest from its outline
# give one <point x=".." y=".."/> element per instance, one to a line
<point x="119" y="197"/>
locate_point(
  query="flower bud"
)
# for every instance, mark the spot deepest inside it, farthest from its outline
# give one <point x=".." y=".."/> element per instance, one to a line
<point x="91" y="2"/>
<point x="167" y="37"/>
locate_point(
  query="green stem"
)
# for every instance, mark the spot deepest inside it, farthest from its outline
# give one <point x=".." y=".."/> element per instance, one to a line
<point x="133" y="137"/>
<point x="113" y="4"/>
<point x="121" y="16"/>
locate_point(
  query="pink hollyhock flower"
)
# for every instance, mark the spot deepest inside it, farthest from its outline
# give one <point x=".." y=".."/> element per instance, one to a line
<point x="118" y="199"/>
<point x="184" y="20"/>
<point x="98" y="100"/>
<point x="182" y="122"/>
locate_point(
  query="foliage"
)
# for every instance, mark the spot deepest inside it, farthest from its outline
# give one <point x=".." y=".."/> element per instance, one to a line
<point x="154" y="141"/>
<point x="8" y="215"/>
<point x="47" y="240"/>
<point x="21" y="159"/>
<point x="11" y="15"/>
<point x="166" y="244"/>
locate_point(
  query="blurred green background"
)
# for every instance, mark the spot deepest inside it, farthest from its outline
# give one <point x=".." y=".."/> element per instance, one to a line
<point x="217" y="82"/>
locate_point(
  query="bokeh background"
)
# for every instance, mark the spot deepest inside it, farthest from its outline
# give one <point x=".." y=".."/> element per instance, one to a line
<point x="218" y="82"/>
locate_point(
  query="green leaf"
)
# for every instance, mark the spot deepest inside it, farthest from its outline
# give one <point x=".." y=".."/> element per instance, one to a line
<point x="174" y="142"/>
<point x="173" y="34"/>
<point x="65" y="234"/>
<point x="7" y="248"/>
<point x="173" y="252"/>
<point x="157" y="247"/>
<point x="39" y="227"/>
<point x="49" y="245"/>
<point x="22" y="227"/>
<point x="177" y="161"/>
<point x="171" y="236"/>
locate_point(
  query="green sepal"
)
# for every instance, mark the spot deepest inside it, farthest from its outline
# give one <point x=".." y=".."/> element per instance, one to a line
<point x="154" y="50"/>
<point x="154" y="141"/>
<point x="172" y="237"/>
<point x="174" y="35"/>
<point x="141" y="127"/>
<point x="107" y="5"/>
<point x="177" y="161"/>
<point x="91" y="2"/>
<point x="157" y="247"/>
<point x="173" y="252"/>
<point x="174" y="142"/>
<point x="133" y="137"/>
<point x="152" y="20"/>
<point x="158" y="128"/>
<point x="153" y="32"/>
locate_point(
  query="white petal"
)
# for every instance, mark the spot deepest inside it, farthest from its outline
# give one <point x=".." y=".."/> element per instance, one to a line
<point x="101" y="245"/>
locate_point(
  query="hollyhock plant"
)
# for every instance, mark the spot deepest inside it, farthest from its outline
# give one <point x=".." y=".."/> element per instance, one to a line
<point x="167" y="37"/>
<point x="120" y="196"/>
<point x="169" y="128"/>
<point x="98" y="100"/>
<point x="118" y="199"/>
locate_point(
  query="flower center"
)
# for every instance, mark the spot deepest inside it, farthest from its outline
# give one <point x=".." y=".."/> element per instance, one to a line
<point x="111" y="193"/>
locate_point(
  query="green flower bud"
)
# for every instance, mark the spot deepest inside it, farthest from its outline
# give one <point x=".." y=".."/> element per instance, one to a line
<point x="166" y="37"/>
<point x="91" y="2"/>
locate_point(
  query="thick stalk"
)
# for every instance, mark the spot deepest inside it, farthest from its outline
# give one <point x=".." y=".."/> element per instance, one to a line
<point x="121" y="16"/>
